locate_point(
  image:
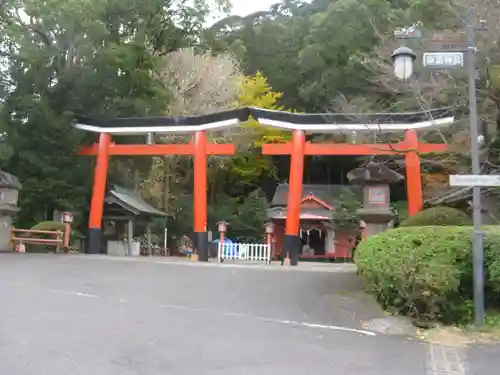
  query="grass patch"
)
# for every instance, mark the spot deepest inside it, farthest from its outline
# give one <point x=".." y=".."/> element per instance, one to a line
<point x="465" y="335"/>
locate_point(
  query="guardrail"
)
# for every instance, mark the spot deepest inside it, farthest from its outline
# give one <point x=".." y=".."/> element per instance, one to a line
<point x="244" y="251"/>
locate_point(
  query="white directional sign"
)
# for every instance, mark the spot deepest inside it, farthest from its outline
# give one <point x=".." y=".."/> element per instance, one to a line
<point x="471" y="180"/>
<point x="408" y="33"/>
<point x="442" y="60"/>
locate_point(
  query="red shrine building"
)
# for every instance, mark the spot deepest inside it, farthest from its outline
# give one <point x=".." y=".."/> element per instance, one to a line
<point x="318" y="237"/>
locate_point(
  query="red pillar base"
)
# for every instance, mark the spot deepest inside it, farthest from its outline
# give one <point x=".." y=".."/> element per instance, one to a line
<point x="291" y="247"/>
<point x="93" y="243"/>
<point x="201" y="245"/>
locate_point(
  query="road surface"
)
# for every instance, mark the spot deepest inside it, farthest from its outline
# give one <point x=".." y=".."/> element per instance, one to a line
<point x="78" y="315"/>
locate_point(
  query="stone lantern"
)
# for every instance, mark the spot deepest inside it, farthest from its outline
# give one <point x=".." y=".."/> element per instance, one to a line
<point x="67" y="219"/>
<point x="9" y="193"/>
<point x="375" y="178"/>
<point x="269" y="228"/>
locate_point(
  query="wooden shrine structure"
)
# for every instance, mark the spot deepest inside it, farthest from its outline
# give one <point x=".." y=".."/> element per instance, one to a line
<point x="298" y="148"/>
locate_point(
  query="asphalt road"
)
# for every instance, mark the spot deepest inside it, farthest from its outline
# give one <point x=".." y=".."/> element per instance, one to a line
<point x="74" y="315"/>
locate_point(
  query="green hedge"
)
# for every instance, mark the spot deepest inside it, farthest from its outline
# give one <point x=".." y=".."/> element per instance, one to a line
<point x="50" y="225"/>
<point x="426" y="272"/>
<point x="56" y="225"/>
<point x="437" y="216"/>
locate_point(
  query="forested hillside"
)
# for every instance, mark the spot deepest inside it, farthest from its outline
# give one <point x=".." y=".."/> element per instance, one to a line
<point x="60" y="59"/>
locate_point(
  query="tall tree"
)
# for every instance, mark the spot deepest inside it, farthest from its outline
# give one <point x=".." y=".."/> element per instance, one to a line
<point x="199" y="83"/>
<point x="250" y="167"/>
<point x="68" y="58"/>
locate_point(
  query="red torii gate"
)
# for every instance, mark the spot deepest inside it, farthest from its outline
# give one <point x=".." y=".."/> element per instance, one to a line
<point x="298" y="148"/>
<point x="199" y="148"/>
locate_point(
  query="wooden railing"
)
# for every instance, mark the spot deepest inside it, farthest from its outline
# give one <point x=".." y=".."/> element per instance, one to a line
<point x="57" y="241"/>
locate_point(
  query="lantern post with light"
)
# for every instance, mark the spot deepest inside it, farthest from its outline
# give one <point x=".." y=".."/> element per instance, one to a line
<point x="222" y="228"/>
<point x="403" y="59"/>
<point x="269" y="227"/>
<point x="67" y="219"/>
<point x="362" y="227"/>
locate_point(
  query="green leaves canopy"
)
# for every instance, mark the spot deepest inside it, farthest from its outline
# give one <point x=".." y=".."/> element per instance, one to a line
<point x="68" y="58"/>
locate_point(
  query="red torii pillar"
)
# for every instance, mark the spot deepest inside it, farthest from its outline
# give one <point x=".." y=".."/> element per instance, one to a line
<point x="291" y="243"/>
<point x="410" y="147"/>
<point x="199" y="148"/>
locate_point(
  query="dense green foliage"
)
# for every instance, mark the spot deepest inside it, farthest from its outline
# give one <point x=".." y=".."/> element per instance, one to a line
<point x="437" y="216"/>
<point x="426" y="272"/>
<point x="246" y="218"/>
<point x="66" y="58"/>
<point x="63" y="59"/>
<point x="346" y="215"/>
<point x="53" y="226"/>
<point x="50" y="225"/>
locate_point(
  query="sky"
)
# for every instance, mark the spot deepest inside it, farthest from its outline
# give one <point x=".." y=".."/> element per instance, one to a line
<point x="244" y="8"/>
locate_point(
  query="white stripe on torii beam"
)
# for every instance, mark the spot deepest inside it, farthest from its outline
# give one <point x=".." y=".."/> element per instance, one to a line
<point x="231" y="123"/>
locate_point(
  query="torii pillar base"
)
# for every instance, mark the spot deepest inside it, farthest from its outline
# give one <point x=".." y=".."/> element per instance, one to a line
<point x="291" y="249"/>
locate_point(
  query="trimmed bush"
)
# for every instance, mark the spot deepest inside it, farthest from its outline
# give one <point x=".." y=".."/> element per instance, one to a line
<point x="56" y="225"/>
<point x="44" y="225"/>
<point x="426" y="272"/>
<point x="437" y="216"/>
<point x="492" y="260"/>
<point x="49" y="225"/>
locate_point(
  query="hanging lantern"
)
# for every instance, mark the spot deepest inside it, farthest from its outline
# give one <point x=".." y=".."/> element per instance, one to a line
<point x="67" y="217"/>
<point x="269" y="227"/>
<point x="222" y="226"/>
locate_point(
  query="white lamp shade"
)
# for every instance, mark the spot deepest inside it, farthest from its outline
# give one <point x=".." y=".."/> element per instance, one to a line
<point x="222" y="226"/>
<point x="269" y="227"/>
<point x="403" y="67"/>
<point x="67" y="217"/>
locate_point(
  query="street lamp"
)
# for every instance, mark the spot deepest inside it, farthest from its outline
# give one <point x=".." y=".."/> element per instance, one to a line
<point x="67" y="219"/>
<point x="269" y="227"/>
<point x="403" y="59"/>
<point x="222" y="228"/>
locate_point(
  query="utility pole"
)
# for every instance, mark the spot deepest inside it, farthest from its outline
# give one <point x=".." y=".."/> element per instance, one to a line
<point x="404" y="58"/>
<point x="478" y="235"/>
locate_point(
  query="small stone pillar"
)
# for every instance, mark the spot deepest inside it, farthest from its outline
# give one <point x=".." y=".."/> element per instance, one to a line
<point x="9" y="193"/>
<point x="376" y="212"/>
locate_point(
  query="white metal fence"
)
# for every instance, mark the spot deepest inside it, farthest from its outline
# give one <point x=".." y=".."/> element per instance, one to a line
<point x="244" y="251"/>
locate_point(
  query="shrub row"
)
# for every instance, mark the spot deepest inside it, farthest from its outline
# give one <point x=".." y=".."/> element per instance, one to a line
<point x="437" y="216"/>
<point x="426" y="272"/>
<point x="51" y="225"/>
